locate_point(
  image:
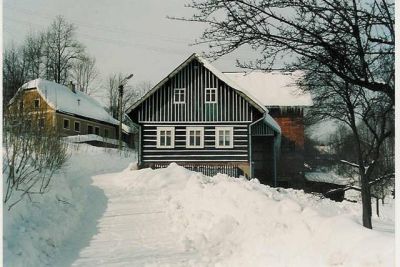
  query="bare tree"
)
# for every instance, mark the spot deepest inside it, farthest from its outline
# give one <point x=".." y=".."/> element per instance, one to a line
<point x="33" y="53"/>
<point x="352" y="39"/>
<point x="84" y="72"/>
<point x="33" y="152"/>
<point x="14" y="72"/>
<point x="368" y="115"/>
<point x="62" y="50"/>
<point x="130" y="96"/>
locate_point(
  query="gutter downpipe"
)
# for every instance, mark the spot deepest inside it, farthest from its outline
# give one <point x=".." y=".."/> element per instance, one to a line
<point x="139" y="149"/>
<point x="250" y="144"/>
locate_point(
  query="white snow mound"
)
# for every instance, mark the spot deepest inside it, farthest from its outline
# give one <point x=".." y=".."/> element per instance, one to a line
<point x="235" y="222"/>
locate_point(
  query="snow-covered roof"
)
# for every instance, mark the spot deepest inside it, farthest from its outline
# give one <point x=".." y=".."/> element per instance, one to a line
<point x="62" y="99"/>
<point x="274" y="88"/>
<point x="326" y="177"/>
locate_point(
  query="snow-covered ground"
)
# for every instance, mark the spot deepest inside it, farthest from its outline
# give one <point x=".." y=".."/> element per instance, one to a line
<point x="37" y="233"/>
<point x="176" y="217"/>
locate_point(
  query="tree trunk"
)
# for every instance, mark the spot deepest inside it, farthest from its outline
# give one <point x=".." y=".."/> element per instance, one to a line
<point x="366" y="200"/>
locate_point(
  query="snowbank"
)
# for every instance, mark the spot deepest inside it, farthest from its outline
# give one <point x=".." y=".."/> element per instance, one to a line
<point x="235" y="222"/>
<point x="37" y="233"/>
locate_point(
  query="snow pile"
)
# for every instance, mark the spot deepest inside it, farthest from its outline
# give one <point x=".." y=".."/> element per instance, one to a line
<point x="327" y="177"/>
<point x="235" y="222"/>
<point x="36" y="233"/>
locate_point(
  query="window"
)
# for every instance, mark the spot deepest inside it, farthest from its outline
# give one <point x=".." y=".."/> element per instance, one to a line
<point x="41" y="123"/>
<point x="89" y="129"/>
<point x="96" y="130"/>
<point x="165" y="137"/>
<point x="77" y="126"/>
<point x="194" y="137"/>
<point x="211" y="95"/>
<point x="224" y="137"/>
<point x="106" y="133"/>
<point x="179" y="95"/>
<point x="66" y="124"/>
<point x="36" y="103"/>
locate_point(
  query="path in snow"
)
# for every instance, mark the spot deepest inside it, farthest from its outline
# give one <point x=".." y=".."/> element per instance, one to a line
<point x="133" y="231"/>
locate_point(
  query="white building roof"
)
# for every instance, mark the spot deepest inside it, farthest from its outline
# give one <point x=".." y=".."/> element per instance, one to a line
<point x="62" y="99"/>
<point x="274" y="88"/>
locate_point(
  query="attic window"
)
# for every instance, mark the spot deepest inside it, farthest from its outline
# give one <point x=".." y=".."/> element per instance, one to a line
<point x="179" y="95"/>
<point x="211" y="95"/>
<point x="36" y="103"/>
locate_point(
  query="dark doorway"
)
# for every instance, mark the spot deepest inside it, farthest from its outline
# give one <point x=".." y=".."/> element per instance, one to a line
<point x="263" y="160"/>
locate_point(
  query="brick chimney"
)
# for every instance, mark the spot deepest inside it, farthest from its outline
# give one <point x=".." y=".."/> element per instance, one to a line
<point x="71" y="86"/>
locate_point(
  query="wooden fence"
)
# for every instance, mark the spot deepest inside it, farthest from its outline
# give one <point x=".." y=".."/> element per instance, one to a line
<point x="210" y="170"/>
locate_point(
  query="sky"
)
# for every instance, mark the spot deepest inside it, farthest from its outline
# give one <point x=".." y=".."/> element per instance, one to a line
<point x="127" y="36"/>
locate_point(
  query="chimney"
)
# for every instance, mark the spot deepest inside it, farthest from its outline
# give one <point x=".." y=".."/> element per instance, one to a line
<point x="71" y="86"/>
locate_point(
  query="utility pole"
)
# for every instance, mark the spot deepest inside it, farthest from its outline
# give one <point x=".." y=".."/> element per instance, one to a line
<point x="121" y="94"/>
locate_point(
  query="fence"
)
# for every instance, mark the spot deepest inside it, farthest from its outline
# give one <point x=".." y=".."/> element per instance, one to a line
<point x="210" y="170"/>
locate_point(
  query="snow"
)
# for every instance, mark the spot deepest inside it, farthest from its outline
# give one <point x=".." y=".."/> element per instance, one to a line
<point x="110" y="214"/>
<point x="92" y="137"/>
<point x="57" y="224"/>
<point x="274" y="88"/>
<point x="327" y="177"/>
<point x="61" y="98"/>
<point x="176" y="217"/>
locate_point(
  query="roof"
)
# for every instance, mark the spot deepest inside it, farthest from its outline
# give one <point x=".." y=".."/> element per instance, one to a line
<point x="274" y="88"/>
<point x="243" y="92"/>
<point x="62" y="99"/>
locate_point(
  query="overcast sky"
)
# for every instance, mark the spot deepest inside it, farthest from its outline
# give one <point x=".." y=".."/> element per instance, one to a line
<point x="128" y="36"/>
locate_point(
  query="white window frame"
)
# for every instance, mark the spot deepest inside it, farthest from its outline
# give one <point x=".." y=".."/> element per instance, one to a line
<point x="69" y="124"/>
<point x="211" y="89"/>
<point x="217" y="129"/>
<point x="79" y="123"/>
<point x="172" y="129"/>
<point x="176" y="90"/>
<point x="188" y="129"/>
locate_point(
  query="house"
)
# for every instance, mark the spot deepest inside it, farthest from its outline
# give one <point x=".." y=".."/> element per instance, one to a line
<point x="201" y="119"/>
<point x="287" y="104"/>
<point x="72" y="112"/>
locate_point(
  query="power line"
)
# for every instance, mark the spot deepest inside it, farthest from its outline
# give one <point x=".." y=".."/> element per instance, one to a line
<point x="107" y="28"/>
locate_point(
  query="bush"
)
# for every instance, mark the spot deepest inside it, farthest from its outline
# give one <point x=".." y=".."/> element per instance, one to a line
<point x="33" y="152"/>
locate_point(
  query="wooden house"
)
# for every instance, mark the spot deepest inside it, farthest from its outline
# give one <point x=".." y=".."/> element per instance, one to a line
<point x="71" y="112"/>
<point x="201" y="119"/>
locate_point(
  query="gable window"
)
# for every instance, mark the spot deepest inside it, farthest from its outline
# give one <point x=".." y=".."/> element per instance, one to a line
<point x="224" y="137"/>
<point x="194" y="137"/>
<point x="179" y="95"/>
<point x="106" y="133"/>
<point x="66" y="124"/>
<point x="90" y="129"/>
<point x="211" y="95"/>
<point x="96" y="130"/>
<point x="36" y="103"/>
<point x="165" y="137"/>
<point x="77" y="126"/>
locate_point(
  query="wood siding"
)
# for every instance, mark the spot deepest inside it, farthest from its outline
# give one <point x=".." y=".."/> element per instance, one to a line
<point x="180" y="153"/>
<point x="195" y="78"/>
